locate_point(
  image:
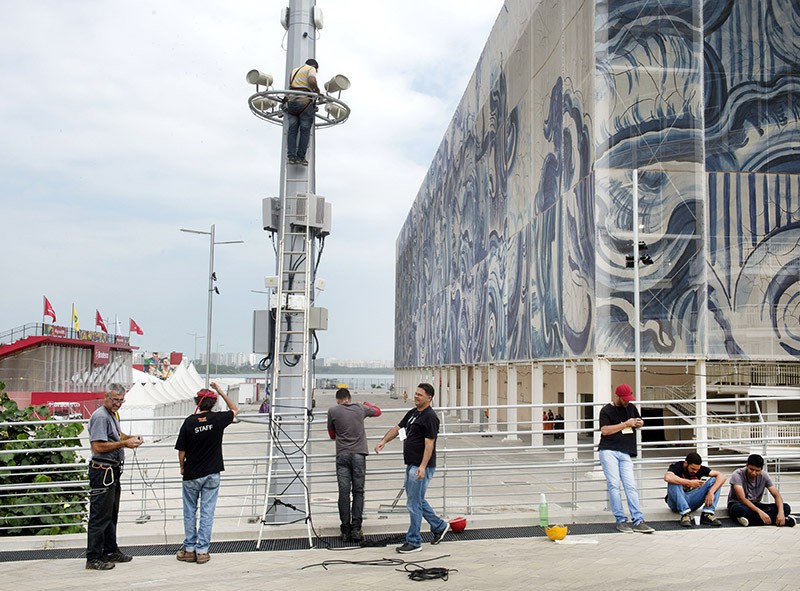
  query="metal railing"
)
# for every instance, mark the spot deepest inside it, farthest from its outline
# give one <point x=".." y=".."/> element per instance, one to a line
<point x="484" y="468"/>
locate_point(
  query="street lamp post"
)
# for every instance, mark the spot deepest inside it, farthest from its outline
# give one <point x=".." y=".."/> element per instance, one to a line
<point x="211" y="289"/>
<point x="196" y="336"/>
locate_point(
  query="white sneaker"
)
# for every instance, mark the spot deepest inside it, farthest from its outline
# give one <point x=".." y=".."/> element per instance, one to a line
<point x="743" y="521"/>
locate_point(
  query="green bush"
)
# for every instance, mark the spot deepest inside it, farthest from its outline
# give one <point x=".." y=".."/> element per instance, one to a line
<point x="26" y="510"/>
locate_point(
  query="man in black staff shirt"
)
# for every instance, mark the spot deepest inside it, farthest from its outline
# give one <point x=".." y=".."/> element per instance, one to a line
<point x="105" y="469"/>
<point x="691" y="485"/>
<point x="618" y="423"/>
<point x="199" y="448"/>
<point x="418" y="431"/>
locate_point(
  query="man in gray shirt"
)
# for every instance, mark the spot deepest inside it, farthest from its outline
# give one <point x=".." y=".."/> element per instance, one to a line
<point x="346" y="426"/>
<point x="747" y="489"/>
<point x="105" y="469"/>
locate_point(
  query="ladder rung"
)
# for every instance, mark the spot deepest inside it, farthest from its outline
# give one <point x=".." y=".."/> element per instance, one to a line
<point x="291" y="353"/>
<point x="295" y="252"/>
<point x="289" y="375"/>
<point x="302" y="195"/>
<point x="285" y="332"/>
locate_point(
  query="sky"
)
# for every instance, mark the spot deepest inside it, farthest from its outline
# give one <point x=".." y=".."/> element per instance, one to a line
<point x="123" y="122"/>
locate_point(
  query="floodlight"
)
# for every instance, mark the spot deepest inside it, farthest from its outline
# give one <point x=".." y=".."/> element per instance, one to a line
<point x="335" y="111"/>
<point x="259" y="78"/>
<point x="337" y="84"/>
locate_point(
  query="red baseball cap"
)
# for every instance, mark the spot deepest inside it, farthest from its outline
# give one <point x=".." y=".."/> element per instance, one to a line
<point x="624" y="391"/>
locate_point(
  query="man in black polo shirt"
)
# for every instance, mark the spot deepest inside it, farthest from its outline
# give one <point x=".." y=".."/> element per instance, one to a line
<point x="418" y="431"/>
<point x="199" y="448"/>
<point x="691" y="485"/>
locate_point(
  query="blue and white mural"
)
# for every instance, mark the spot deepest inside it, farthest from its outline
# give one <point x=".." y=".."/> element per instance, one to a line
<point x="516" y="245"/>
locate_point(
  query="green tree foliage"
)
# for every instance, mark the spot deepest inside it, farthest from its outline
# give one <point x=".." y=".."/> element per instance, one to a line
<point x="26" y="507"/>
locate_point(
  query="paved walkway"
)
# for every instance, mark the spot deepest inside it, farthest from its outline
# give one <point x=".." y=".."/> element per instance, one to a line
<point x="730" y="558"/>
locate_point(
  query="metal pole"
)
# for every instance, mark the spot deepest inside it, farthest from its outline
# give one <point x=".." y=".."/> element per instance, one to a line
<point x="636" y="336"/>
<point x="210" y="306"/>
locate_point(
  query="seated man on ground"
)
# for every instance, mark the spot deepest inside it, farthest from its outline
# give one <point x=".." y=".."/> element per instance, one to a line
<point x="747" y="489"/>
<point x="691" y="485"/>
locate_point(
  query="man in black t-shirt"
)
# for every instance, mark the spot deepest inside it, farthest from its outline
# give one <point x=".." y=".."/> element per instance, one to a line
<point x="199" y="448"/>
<point x="418" y="431"/>
<point x="618" y="423"/>
<point x="691" y="485"/>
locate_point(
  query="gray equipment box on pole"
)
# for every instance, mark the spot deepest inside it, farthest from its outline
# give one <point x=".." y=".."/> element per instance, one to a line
<point x="262" y="331"/>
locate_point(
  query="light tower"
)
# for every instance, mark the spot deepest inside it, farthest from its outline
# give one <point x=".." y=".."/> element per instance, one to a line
<point x="300" y="219"/>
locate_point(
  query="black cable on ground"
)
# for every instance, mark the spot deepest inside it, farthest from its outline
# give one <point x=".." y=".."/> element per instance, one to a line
<point x="427" y="574"/>
<point x="376" y="562"/>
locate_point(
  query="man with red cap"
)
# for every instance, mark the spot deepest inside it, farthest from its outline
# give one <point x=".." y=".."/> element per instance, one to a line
<point x="199" y="448"/>
<point x="618" y="423"/>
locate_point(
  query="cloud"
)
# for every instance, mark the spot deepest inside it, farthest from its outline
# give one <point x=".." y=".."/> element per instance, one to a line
<point x="125" y="121"/>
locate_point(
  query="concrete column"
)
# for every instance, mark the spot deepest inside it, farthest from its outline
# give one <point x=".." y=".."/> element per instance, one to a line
<point x="463" y="399"/>
<point x="601" y="383"/>
<point x="511" y="413"/>
<point x="537" y="405"/>
<point x="701" y="408"/>
<point x="570" y="411"/>
<point x="453" y="382"/>
<point x="492" y="398"/>
<point x="477" y="387"/>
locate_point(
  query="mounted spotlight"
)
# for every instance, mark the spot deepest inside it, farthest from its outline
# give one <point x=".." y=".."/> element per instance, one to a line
<point x="335" y="111"/>
<point x="337" y="84"/>
<point x="259" y="78"/>
<point x="265" y="104"/>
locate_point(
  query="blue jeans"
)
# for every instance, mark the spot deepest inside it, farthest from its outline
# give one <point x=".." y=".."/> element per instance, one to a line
<point x="618" y="468"/>
<point x="299" y="124"/>
<point x="206" y="489"/>
<point x="418" y="507"/>
<point x="351" y="470"/>
<point x="684" y="502"/>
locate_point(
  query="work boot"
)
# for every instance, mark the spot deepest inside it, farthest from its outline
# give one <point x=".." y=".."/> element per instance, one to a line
<point x="186" y="556"/>
<point x="98" y="564"/>
<point x="203" y="557"/>
<point x="117" y="557"/>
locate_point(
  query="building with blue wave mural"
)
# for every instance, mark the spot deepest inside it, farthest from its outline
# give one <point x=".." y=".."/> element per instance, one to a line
<point x="513" y="281"/>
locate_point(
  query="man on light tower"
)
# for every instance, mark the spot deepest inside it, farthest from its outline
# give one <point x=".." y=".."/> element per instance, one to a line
<point x="300" y="111"/>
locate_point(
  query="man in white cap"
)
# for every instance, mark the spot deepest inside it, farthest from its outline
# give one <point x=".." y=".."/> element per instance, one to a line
<point x="618" y="423"/>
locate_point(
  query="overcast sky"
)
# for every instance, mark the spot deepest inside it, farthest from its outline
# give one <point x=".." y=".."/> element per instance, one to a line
<point x="125" y="121"/>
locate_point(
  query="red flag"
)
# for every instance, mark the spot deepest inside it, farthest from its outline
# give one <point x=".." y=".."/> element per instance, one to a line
<point x="98" y="321"/>
<point x="48" y="309"/>
<point x="135" y="327"/>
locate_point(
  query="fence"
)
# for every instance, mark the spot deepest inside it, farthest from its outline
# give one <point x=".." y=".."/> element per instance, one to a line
<point x="482" y="468"/>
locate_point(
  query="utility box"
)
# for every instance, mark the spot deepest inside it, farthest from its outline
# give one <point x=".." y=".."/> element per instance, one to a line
<point x="318" y="318"/>
<point x="325" y="230"/>
<point x="271" y="213"/>
<point x="263" y="326"/>
<point x="306" y="209"/>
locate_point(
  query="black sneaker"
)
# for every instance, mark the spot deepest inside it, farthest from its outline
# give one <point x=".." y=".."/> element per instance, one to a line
<point x="439" y="536"/>
<point x="117" y="557"/>
<point x="346" y="537"/>
<point x="408" y="548"/>
<point x="686" y="520"/>
<point x="292" y="160"/>
<point x="357" y="535"/>
<point x="791" y="521"/>
<point x="302" y="162"/>
<point x="98" y="564"/>
<point x="710" y="519"/>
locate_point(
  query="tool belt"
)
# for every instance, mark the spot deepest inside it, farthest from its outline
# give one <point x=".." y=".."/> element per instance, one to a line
<point x="104" y="464"/>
